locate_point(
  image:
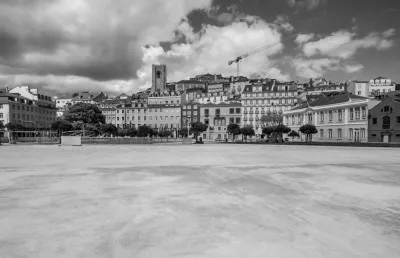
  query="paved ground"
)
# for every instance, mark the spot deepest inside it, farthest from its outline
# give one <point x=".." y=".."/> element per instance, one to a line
<point x="199" y="201"/>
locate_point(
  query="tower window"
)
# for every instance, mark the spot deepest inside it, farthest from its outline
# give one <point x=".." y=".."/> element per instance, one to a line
<point x="158" y="74"/>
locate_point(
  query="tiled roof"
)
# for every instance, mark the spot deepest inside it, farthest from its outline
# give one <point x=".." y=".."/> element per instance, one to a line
<point x="380" y="78"/>
<point x="224" y="104"/>
<point x="190" y="82"/>
<point x="330" y="99"/>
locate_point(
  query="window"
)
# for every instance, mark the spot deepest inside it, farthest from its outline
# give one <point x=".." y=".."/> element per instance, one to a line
<point x="238" y="120"/>
<point x="357" y="113"/>
<point x="339" y="133"/>
<point x="362" y="133"/>
<point x="321" y="116"/>
<point x="206" y="121"/>
<point x="330" y="115"/>
<point x="321" y="132"/>
<point x="386" y="122"/>
<point x="231" y="120"/>
<point x="374" y="121"/>
<point x="398" y="119"/>
<point x="237" y="110"/>
<point x="386" y="109"/>
<point x="1" y="115"/>
<point x="351" y="114"/>
<point x="364" y="113"/>
<point x="330" y="133"/>
<point x="310" y="118"/>
<point x="206" y="112"/>
<point x="350" y="133"/>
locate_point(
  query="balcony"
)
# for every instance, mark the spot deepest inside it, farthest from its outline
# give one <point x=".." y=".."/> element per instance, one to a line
<point x="386" y="127"/>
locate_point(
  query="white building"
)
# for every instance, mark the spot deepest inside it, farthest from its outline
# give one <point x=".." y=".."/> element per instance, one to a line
<point x="338" y="117"/>
<point x="381" y="85"/>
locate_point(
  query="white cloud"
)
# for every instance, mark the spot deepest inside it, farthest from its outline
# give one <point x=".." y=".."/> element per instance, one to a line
<point x="312" y="68"/>
<point x="282" y="21"/>
<point x="353" y="68"/>
<point x="303" y="38"/>
<point x="307" y="4"/>
<point x="214" y="47"/>
<point x="343" y="44"/>
<point x="389" y="33"/>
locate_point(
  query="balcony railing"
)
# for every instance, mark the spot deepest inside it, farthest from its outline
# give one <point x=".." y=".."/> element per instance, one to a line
<point x="386" y="126"/>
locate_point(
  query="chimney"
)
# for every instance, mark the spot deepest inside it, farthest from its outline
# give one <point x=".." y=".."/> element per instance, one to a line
<point x="7" y="90"/>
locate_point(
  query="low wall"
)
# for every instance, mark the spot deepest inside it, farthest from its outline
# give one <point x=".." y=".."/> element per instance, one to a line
<point x="187" y="141"/>
<point x="71" y="141"/>
<point x="38" y="139"/>
<point x="343" y="144"/>
<point x="3" y="139"/>
<point x="116" y="140"/>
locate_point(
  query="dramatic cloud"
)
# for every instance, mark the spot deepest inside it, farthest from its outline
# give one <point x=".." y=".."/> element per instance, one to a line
<point x="303" y="38"/>
<point x="99" y="40"/>
<point x="343" y="44"/>
<point x="313" y="68"/>
<point x="307" y="4"/>
<point x="353" y="68"/>
<point x="282" y="21"/>
<point x="214" y="47"/>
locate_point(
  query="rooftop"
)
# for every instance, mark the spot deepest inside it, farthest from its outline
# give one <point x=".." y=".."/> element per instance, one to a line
<point x="330" y="99"/>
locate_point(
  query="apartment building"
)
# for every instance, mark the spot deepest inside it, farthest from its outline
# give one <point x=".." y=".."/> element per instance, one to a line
<point x="273" y="96"/>
<point x="190" y="113"/>
<point x="339" y="116"/>
<point x="380" y="86"/>
<point x="35" y="114"/>
<point x="384" y="120"/>
<point x="218" y="117"/>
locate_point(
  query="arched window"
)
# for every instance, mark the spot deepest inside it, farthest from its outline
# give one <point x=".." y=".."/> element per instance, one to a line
<point x="158" y="74"/>
<point x="386" y="120"/>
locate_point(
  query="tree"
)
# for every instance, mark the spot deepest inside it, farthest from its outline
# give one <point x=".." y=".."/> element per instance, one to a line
<point x="308" y="130"/>
<point x="280" y="130"/>
<point x="183" y="132"/>
<point x="144" y="131"/>
<point x="132" y="132"/>
<point x="12" y="127"/>
<point x="164" y="133"/>
<point x="85" y="113"/>
<point x="268" y="131"/>
<point x="122" y="132"/>
<point x="92" y="130"/>
<point x="108" y="129"/>
<point x="233" y="129"/>
<point x="271" y="119"/>
<point x="197" y="128"/>
<point x="2" y="126"/>
<point x="293" y="134"/>
<point x="61" y="126"/>
<point x="247" y="130"/>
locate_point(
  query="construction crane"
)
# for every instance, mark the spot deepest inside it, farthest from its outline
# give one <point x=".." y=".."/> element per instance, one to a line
<point x="239" y="58"/>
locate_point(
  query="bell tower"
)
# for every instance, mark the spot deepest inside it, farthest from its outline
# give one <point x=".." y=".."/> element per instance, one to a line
<point x="159" y="78"/>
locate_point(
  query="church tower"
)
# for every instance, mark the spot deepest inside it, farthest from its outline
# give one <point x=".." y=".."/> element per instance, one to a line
<point x="159" y="78"/>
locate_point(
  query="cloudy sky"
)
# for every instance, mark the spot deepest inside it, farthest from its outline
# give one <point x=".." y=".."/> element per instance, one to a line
<point x="63" y="46"/>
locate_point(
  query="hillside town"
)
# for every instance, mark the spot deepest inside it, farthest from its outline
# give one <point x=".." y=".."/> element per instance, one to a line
<point x="346" y="111"/>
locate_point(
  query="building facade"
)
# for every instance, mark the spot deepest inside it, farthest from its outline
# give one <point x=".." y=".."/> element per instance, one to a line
<point x="381" y="85"/>
<point x="190" y="113"/>
<point x="359" y="88"/>
<point x="384" y="121"/>
<point x="338" y="117"/>
<point x="159" y="78"/>
<point x="218" y="117"/>
<point x="259" y="99"/>
<point x="189" y="84"/>
<point x="34" y="114"/>
<point x="164" y="98"/>
<point x="88" y="97"/>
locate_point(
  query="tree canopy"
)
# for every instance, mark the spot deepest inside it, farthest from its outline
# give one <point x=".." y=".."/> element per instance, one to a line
<point x="14" y="126"/>
<point x="132" y="132"/>
<point x="247" y="130"/>
<point x="233" y="129"/>
<point x="294" y="134"/>
<point x="61" y="126"/>
<point x="108" y="129"/>
<point x="197" y="128"/>
<point x="308" y="130"/>
<point x="144" y="131"/>
<point x="183" y="132"/>
<point x="86" y="113"/>
<point x="271" y="119"/>
<point x="2" y="126"/>
<point x="164" y="133"/>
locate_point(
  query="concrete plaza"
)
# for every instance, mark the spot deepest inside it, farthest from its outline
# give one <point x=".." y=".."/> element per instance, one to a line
<point x="212" y="200"/>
